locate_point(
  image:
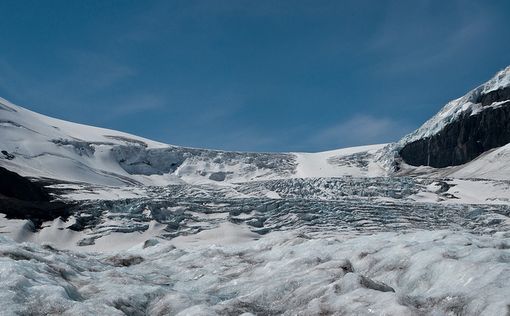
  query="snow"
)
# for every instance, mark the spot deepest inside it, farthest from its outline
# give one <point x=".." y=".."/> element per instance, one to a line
<point x="44" y="147"/>
<point x="225" y="234"/>
<point x="423" y="272"/>
<point x="500" y="80"/>
<point x="467" y="192"/>
<point x="83" y="192"/>
<point x="319" y="164"/>
<point x="491" y="165"/>
<point x="53" y="128"/>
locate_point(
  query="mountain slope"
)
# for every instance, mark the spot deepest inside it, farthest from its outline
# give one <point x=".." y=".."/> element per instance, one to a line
<point x="467" y="138"/>
<point x="464" y="129"/>
<point x="38" y="146"/>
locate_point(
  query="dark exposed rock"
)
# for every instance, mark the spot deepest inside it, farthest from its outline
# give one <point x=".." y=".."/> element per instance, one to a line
<point x="218" y="176"/>
<point x="124" y="260"/>
<point x="375" y="285"/>
<point x="7" y="155"/>
<point x="15" y="186"/>
<point x="21" y="198"/>
<point x="87" y="241"/>
<point x="150" y="243"/>
<point x="347" y="266"/>
<point x="37" y="212"/>
<point x="443" y="187"/>
<point x="494" y="96"/>
<point x="464" y="139"/>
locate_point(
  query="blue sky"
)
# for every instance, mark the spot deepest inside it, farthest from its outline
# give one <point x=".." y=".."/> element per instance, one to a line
<point x="250" y="75"/>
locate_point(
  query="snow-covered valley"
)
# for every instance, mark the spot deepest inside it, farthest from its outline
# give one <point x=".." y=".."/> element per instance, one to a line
<point x="115" y="224"/>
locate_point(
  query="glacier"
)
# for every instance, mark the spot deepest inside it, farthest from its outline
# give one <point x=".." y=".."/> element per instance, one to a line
<point x="229" y="271"/>
<point x="157" y="229"/>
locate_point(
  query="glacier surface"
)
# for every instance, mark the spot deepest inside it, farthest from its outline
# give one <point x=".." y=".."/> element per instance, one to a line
<point x="230" y="271"/>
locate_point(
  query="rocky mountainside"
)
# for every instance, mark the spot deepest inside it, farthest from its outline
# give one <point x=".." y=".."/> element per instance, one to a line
<point x="464" y="129"/>
<point x="24" y="199"/>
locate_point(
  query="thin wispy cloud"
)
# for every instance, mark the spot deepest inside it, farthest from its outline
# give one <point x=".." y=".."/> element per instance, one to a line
<point x="240" y="139"/>
<point x="131" y="105"/>
<point x="87" y="74"/>
<point x="95" y="71"/>
<point x="424" y="42"/>
<point x="85" y="88"/>
<point x="360" y="130"/>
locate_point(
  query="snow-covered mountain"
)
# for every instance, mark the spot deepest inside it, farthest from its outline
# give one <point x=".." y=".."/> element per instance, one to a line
<point x="468" y="138"/>
<point x="100" y="222"/>
<point x="35" y="145"/>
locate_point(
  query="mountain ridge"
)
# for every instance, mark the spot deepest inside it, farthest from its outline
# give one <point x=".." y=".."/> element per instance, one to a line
<point x="39" y="146"/>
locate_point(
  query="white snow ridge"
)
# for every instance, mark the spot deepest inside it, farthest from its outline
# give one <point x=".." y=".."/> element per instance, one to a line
<point x="137" y="227"/>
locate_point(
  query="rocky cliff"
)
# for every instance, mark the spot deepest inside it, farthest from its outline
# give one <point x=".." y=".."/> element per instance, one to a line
<point x="24" y="199"/>
<point x="464" y="129"/>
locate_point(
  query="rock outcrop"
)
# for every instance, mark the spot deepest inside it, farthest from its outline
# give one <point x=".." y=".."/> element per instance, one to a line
<point x="461" y="141"/>
<point x="21" y="198"/>
<point x="482" y="122"/>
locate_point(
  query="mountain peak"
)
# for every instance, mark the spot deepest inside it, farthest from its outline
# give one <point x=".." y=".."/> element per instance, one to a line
<point x="499" y="81"/>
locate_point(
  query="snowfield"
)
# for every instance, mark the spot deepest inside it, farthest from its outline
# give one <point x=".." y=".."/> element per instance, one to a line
<point x="39" y="146"/>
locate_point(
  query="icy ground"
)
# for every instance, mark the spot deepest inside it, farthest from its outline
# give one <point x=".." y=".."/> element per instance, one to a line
<point x="337" y="246"/>
<point x="230" y="271"/>
<point x="354" y="205"/>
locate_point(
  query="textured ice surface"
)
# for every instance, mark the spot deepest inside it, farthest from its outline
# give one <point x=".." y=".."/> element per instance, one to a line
<point x="423" y="272"/>
<point x="337" y="246"/>
<point x="353" y="205"/>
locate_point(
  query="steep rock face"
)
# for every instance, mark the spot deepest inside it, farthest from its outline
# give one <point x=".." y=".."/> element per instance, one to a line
<point x="474" y="132"/>
<point x="495" y="96"/>
<point x="15" y="186"/>
<point x="23" y="199"/>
